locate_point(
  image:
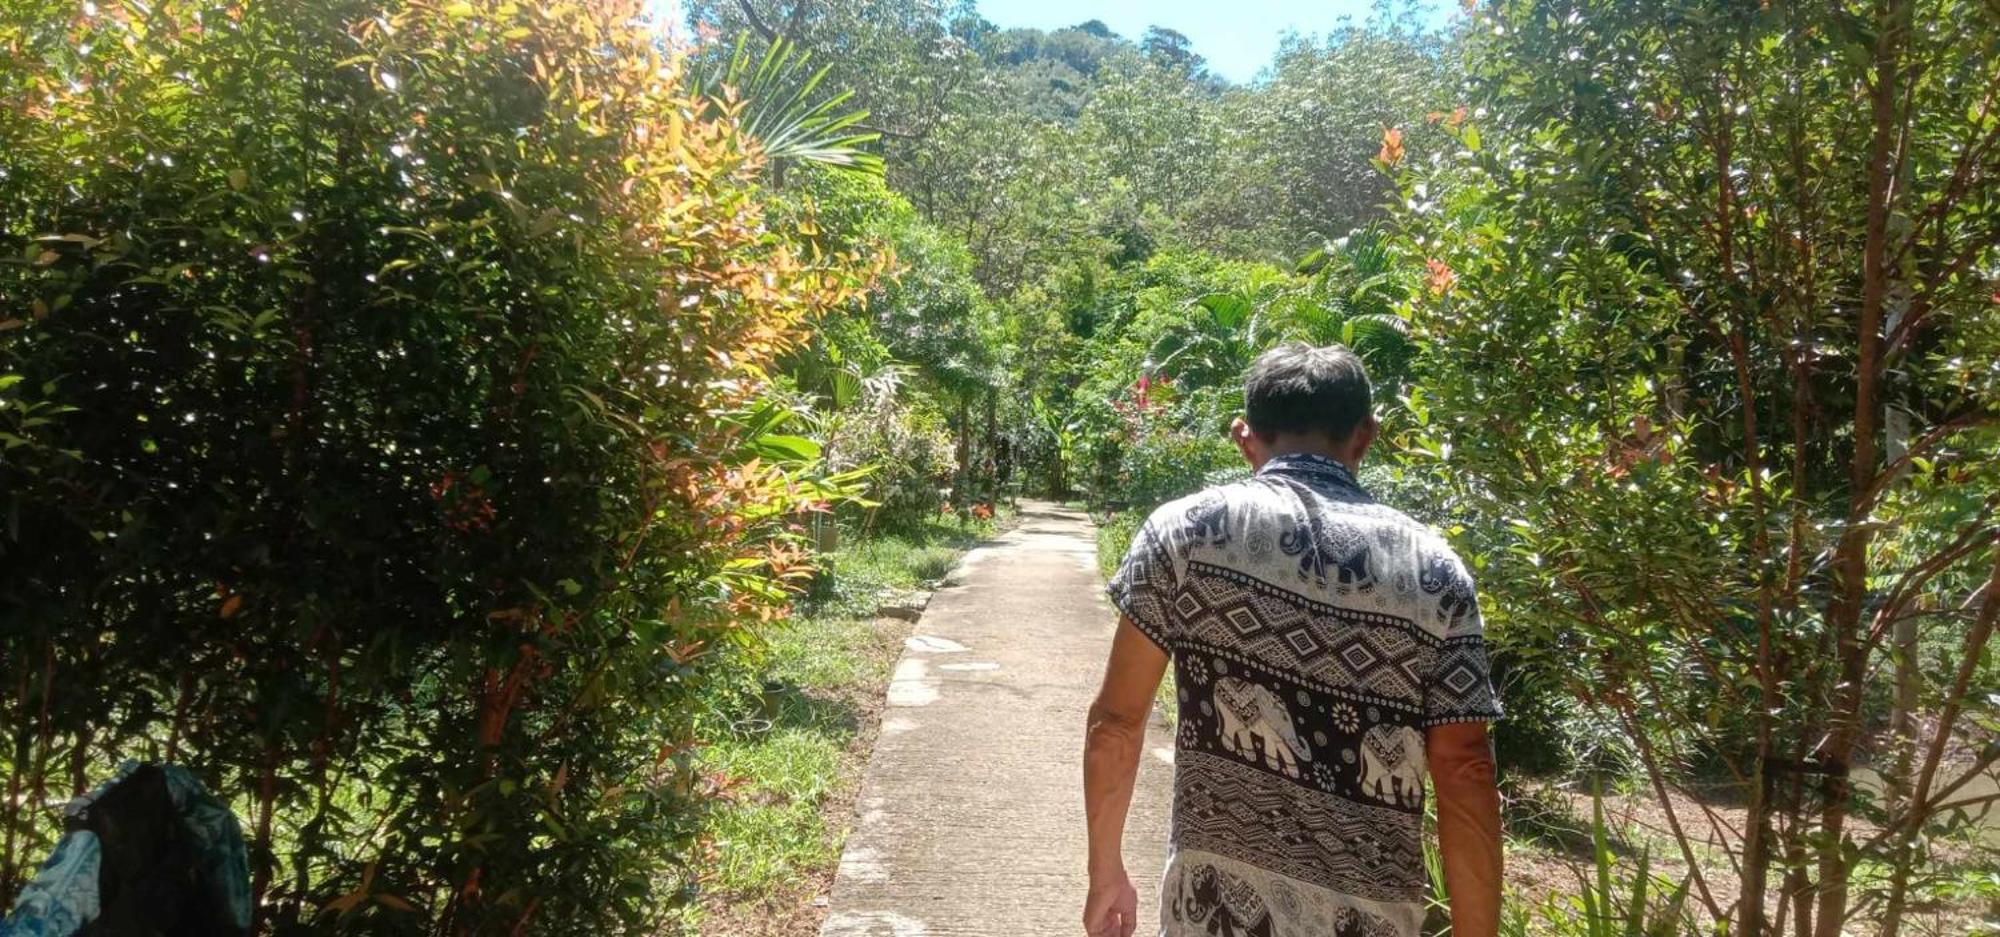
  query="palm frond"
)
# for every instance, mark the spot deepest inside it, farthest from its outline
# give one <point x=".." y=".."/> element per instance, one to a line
<point x="1228" y="309"/>
<point x="784" y="110"/>
<point x="1373" y="328"/>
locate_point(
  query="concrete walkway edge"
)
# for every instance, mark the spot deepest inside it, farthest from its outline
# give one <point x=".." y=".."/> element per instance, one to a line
<point x="970" y="819"/>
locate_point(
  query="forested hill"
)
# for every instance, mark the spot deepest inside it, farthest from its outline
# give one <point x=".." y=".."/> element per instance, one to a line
<point x="1038" y="147"/>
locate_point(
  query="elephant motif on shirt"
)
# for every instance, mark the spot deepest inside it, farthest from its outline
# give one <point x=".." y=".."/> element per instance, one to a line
<point x="1353" y="560"/>
<point x="1208" y="521"/>
<point x="1224" y="905"/>
<point x="1353" y="922"/>
<point x="1342" y="548"/>
<point x="1253" y="715"/>
<point x="1392" y="764"/>
<point x="1442" y="577"/>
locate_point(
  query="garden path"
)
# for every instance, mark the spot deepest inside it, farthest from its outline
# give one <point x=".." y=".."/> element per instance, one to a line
<point x="970" y="819"/>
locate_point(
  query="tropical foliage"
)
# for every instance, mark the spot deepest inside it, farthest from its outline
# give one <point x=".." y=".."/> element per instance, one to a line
<point x="411" y="412"/>
<point x="1683" y="315"/>
<point x="376" y="394"/>
<point x="1720" y="337"/>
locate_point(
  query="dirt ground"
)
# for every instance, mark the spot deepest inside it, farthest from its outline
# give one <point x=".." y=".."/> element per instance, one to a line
<point x="1549" y="851"/>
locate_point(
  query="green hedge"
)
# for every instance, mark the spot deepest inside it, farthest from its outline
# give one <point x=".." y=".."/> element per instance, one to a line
<point x="365" y="374"/>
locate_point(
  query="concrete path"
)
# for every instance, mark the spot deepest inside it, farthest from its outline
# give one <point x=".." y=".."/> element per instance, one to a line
<point x="970" y="821"/>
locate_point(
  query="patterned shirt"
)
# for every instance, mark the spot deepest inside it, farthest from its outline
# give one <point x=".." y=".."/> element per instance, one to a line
<point x="1315" y="635"/>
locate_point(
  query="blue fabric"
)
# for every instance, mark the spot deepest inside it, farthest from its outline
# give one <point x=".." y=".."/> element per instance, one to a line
<point x="64" y="896"/>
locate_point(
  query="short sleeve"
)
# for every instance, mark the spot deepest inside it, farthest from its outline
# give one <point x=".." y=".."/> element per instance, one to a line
<point x="1459" y="687"/>
<point x="1144" y="587"/>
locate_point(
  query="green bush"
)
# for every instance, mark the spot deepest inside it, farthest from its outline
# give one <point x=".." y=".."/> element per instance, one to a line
<point x="933" y="562"/>
<point x="853" y="579"/>
<point x="364" y="382"/>
<point x="892" y="431"/>
<point x="1161" y="464"/>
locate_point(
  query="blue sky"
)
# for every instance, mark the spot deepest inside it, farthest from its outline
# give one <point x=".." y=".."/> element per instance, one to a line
<point x="1237" y="37"/>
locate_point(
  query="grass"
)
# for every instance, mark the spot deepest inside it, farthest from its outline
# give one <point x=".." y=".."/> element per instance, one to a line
<point x="787" y="731"/>
<point x="782" y="756"/>
<point x="1114" y="537"/>
<point x="894" y="562"/>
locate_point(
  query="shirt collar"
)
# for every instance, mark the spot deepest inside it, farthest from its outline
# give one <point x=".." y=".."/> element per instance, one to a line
<point x="1310" y="465"/>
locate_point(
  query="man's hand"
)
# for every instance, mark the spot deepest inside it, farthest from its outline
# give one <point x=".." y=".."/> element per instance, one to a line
<point x="1468" y="811"/>
<point x="1112" y="740"/>
<point x="1112" y="910"/>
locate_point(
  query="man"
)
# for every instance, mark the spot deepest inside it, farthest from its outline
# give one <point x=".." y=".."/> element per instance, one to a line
<point x="1327" y="650"/>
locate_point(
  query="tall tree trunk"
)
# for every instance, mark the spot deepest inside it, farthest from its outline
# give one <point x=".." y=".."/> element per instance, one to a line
<point x="1903" y="631"/>
<point x="1900" y="779"/>
<point x="1756" y="858"/>
<point x="1850" y="561"/>
<point x="962" y="488"/>
<point x="990" y="463"/>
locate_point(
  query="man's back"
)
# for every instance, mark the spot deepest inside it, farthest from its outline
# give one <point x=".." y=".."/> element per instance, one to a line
<point x="1315" y="636"/>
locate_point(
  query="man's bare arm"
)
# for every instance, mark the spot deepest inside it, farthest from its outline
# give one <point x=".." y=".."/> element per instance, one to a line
<point x="1113" y="739"/>
<point x="1468" y="818"/>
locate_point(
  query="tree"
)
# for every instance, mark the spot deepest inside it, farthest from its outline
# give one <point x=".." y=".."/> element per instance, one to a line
<point x="1148" y="124"/>
<point x="1299" y="171"/>
<point x="1095" y="28"/>
<point x="1172" y="50"/>
<point x="1709" y="298"/>
<point x="905" y="61"/>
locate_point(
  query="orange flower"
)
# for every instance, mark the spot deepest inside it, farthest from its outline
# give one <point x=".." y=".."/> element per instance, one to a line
<point x="1441" y="278"/>
<point x="1392" y="146"/>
